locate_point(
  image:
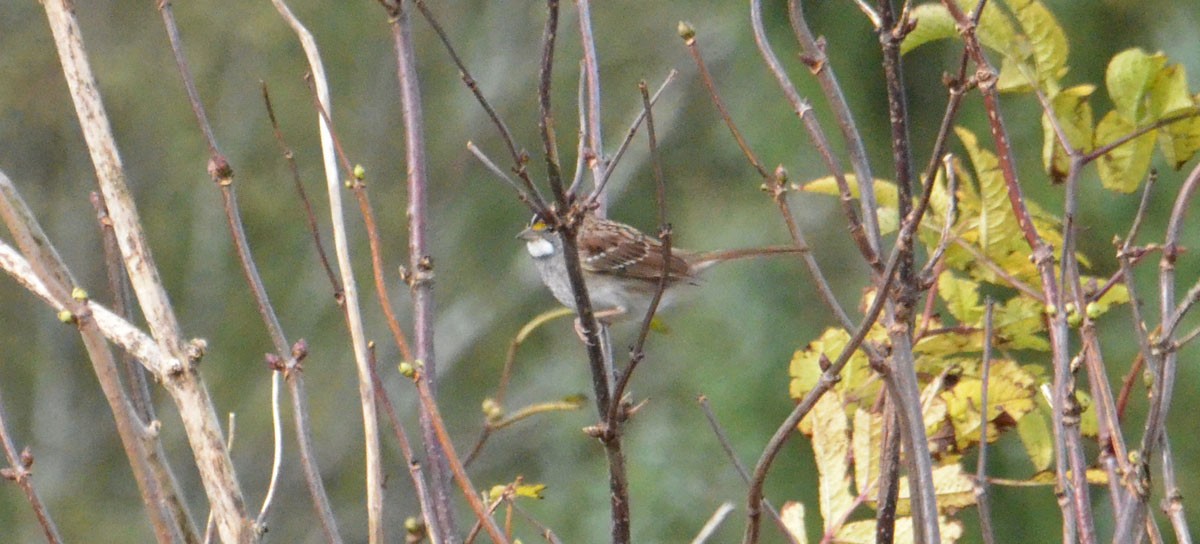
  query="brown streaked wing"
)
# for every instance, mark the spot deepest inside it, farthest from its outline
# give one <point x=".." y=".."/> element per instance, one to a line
<point x="606" y="247"/>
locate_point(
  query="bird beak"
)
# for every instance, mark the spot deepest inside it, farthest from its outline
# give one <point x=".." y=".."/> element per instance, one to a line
<point x="528" y="235"/>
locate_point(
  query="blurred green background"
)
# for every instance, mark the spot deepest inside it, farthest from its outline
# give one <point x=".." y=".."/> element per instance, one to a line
<point x="732" y="343"/>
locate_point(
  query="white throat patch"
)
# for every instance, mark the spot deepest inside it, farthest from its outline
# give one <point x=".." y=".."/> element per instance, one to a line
<point x="539" y="248"/>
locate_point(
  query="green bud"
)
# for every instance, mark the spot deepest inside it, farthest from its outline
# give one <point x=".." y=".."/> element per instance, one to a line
<point x="686" y="31"/>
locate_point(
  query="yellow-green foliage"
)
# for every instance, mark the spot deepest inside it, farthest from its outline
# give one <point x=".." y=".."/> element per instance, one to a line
<point x="988" y="252"/>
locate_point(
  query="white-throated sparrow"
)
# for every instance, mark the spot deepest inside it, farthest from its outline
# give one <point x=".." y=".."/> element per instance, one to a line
<point x="621" y="265"/>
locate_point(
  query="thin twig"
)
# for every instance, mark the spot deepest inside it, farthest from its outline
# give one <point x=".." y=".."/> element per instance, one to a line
<point x="518" y="156"/>
<point x="629" y="134"/>
<point x="352" y="312"/>
<point x="637" y="353"/>
<point x="738" y="465"/>
<point x="19" y="465"/>
<point x="829" y="377"/>
<point x="506" y="373"/>
<point x="689" y="39"/>
<point x="813" y="56"/>
<point x="421" y="265"/>
<point x="1162" y="363"/>
<point x="491" y="166"/>
<point x="981" y="491"/>
<point x="868" y="244"/>
<point x="591" y="76"/>
<point x="888" y="481"/>
<point x="309" y="216"/>
<point x="290" y="367"/>
<point x="713" y="523"/>
<point x="420" y="379"/>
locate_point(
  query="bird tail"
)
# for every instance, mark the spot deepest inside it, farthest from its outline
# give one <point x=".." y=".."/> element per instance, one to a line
<point x="704" y="260"/>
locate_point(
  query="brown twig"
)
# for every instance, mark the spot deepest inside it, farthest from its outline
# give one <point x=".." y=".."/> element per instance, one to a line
<point x="420" y="264"/>
<point x="349" y="286"/>
<point x="637" y="353"/>
<point x="888" y="482"/>
<point x="591" y="77"/>
<point x="290" y="368"/>
<point x="1070" y="466"/>
<point x="713" y="523"/>
<point x="981" y="491"/>
<point x="520" y="159"/>
<point x="813" y="56"/>
<point x="738" y="465"/>
<point x="309" y="216"/>
<point x="829" y="377"/>
<point x="629" y="134"/>
<point x="420" y="379"/>
<point x="867" y="244"/>
<point x="18" y="471"/>
<point x="1162" y="364"/>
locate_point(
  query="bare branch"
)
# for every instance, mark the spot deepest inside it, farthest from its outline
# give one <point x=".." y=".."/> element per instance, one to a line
<point x="366" y="390"/>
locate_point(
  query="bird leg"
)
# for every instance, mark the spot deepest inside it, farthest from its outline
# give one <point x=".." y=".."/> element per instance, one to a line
<point x="604" y="316"/>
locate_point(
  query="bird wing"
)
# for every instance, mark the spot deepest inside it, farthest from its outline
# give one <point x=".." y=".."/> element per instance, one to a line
<point x="616" y="249"/>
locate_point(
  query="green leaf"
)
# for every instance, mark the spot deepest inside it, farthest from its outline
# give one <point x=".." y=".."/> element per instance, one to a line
<point x="933" y="23"/>
<point x="995" y="230"/>
<point x="1180" y="140"/>
<point x="1123" y="168"/>
<point x="1118" y="294"/>
<point x="1019" y="324"/>
<point x="1168" y="92"/>
<point x="1035" y="434"/>
<point x="961" y="297"/>
<point x="996" y="30"/>
<point x="1050" y="48"/>
<point x="1073" y="111"/>
<point x="1128" y="79"/>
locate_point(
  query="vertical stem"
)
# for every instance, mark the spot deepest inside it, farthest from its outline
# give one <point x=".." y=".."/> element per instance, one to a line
<point x="420" y="262"/>
<point x="181" y="378"/>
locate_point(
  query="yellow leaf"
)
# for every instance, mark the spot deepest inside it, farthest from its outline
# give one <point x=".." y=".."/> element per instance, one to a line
<point x="885" y="190"/>
<point x="531" y="491"/>
<point x="831" y="451"/>
<point x="868" y="431"/>
<point x="1019" y="324"/>
<point x="1168" y="92"/>
<point x="856" y="384"/>
<point x="1073" y="111"/>
<point x="1011" y="395"/>
<point x="792" y="515"/>
<point x="863" y="532"/>
<point x="1180" y="140"/>
<point x="1123" y="168"/>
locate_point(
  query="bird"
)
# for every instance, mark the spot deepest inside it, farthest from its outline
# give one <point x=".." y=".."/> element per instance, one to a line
<point x="622" y="266"/>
